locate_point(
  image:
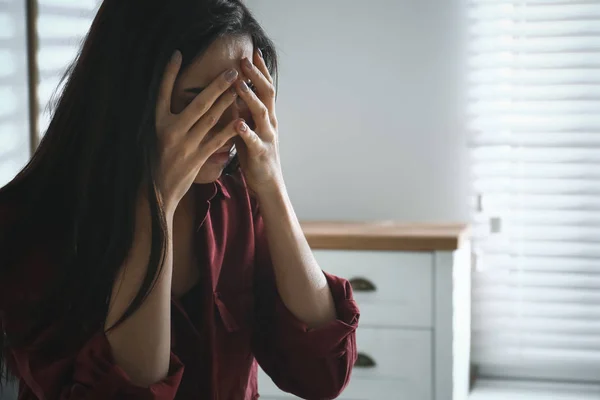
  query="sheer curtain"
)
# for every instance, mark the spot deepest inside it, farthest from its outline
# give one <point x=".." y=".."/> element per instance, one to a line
<point x="534" y="114"/>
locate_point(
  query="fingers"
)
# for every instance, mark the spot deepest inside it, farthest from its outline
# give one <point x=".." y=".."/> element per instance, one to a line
<point x="204" y="101"/>
<point x="262" y="82"/>
<point x="212" y="116"/>
<point x="260" y="113"/>
<point x="165" y="92"/>
<point x="252" y="141"/>
<point x="218" y="141"/>
<point x="260" y="63"/>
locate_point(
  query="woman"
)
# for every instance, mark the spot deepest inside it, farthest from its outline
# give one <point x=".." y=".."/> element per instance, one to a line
<point x="140" y="260"/>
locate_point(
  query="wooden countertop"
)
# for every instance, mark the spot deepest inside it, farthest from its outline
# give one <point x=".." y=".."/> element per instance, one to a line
<point x="385" y="235"/>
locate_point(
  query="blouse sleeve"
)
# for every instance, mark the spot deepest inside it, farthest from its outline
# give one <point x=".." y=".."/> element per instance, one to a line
<point x="307" y="363"/>
<point x="90" y="374"/>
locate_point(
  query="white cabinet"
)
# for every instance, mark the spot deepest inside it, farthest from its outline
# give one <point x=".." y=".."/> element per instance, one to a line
<point x="412" y="284"/>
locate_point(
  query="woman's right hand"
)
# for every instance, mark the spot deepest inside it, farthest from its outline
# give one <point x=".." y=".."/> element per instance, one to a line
<point x="183" y="145"/>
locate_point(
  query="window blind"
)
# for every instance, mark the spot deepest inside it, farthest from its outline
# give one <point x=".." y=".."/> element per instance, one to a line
<point x="14" y="98"/>
<point x="534" y="115"/>
<point x="61" y="27"/>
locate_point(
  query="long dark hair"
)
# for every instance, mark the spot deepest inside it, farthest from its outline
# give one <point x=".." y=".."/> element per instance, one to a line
<point x="79" y="190"/>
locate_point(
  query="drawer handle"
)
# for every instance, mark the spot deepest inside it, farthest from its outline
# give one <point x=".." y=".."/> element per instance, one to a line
<point x="364" y="361"/>
<point x="362" y="285"/>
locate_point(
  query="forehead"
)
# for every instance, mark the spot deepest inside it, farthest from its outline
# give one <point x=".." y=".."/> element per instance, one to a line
<point x="224" y="53"/>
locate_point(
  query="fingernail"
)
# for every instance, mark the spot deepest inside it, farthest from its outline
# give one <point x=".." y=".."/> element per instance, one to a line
<point x="244" y="86"/>
<point x="243" y="126"/>
<point x="176" y="57"/>
<point x="233" y="92"/>
<point x="259" y="51"/>
<point x="231" y="75"/>
<point x="246" y="63"/>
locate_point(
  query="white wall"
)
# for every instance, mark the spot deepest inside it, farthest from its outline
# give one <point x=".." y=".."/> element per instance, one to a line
<point x="369" y="107"/>
<point x="369" y="101"/>
<point x="14" y="118"/>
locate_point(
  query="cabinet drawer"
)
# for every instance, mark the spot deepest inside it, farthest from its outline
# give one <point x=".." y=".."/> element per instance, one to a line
<point x="396" y="354"/>
<point x="391" y="288"/>
<point x="402" y="367"/>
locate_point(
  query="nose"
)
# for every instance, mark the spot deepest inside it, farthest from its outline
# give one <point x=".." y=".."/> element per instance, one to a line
<point x="241" y="109"/>
<point x="238" y="109"/>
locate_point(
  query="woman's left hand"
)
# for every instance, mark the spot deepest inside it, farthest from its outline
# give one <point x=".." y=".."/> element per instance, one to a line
<point x="258" y="149"/>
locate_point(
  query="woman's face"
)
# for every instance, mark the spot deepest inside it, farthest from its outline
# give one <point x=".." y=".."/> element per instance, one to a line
<point x="225" y="53"/>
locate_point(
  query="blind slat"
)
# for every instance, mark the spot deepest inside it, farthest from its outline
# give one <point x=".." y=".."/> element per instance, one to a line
<point x="558" y="155"/>
<point x="525" y="202"/>
<point x="538" y="186"/>
<point x="521" y="233"/>
<point x="533" y="28"/>
<point x="57" y="26"/>
<point x="536" y="123"/>
<point x="533" y="76"/>
<point x="574" y="2"/>
<point x="572" y="108"/>
<point x="534" y="45"/>
<point x="564" y="92"/>
<point x="523" y="309"/>
<point x="534" y="12"/>
<point x="519" y="353"/>
<point x="539" y="279"/>
<point x="541" y="60"/>
<point x="537" y="140"/>
<point x="540" y="341"/>
<point x="545" y="248"/>
<point x="506" y="262"/>
<point x="495" y="323"/>
<point x="537" y="170"/>
<point x="493" y="292"/>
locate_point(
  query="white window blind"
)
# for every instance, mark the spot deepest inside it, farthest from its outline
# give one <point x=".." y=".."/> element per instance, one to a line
<point x="534" y="114"/>
<point x="14" y="98"/>
<point x="61" y="27"/>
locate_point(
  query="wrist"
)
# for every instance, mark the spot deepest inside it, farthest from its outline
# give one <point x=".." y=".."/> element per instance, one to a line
<point x="272" y="188"/>
<point x="273" y="199"/>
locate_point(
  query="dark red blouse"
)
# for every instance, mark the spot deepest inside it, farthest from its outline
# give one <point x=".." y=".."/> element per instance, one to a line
<point x="233" y="318"/>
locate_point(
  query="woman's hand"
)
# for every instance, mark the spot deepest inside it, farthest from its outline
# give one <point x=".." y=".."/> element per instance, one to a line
<point x="258" y="149"/>
<point x="184" y="146"/>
